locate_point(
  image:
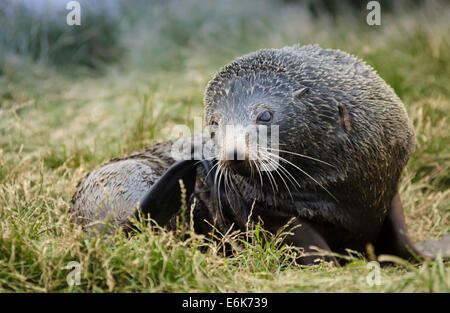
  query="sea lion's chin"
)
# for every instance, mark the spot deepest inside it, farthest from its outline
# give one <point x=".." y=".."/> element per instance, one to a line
<point x="240" y="167"/>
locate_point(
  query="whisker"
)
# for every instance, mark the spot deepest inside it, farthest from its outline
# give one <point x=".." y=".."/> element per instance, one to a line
<point x="299" y="154"/>
<point x="287" y="187"/>
<point x="304" y="172"/>
<point x="283" y="171"/>
<point x="209" y="172"/>
<point x="270" y="176"/>
<point x="219" y="174"/>
<point x="312" y="178"/>
<point x="268" y="154"/>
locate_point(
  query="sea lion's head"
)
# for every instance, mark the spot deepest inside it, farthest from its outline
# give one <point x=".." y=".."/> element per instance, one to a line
<point x="267" y="92"/>
<point x="340" y="126"/>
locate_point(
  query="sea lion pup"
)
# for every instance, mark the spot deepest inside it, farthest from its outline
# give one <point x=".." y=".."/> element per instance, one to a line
<point x="344" y="139"/>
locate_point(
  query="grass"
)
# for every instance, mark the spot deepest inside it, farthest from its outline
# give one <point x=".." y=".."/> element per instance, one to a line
<point x="43" y="35"/>
<point x="58" y="123"/>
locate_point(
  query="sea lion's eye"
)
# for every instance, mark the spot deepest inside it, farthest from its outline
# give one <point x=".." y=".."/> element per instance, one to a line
<point x="264" y="117"/>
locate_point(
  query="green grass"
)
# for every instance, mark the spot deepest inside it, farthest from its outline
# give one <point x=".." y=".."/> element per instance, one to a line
<point x="57" y="124"/>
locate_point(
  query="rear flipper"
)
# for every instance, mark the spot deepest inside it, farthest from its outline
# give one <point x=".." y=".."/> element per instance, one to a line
<point x="163" y="200"/>
<point x="393" y="239"/>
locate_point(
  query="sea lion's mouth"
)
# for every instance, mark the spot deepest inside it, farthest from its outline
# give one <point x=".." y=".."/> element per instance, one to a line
<point x="241" y="167"/>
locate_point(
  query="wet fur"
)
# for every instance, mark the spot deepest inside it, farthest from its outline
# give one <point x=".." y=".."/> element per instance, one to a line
<point x="349" y="118"/>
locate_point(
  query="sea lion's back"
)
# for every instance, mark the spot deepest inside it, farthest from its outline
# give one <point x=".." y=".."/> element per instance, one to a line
<point x="111" y="193"/>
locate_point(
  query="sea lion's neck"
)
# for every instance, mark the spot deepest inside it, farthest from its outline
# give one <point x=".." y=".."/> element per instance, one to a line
<point x="309" y="202"/>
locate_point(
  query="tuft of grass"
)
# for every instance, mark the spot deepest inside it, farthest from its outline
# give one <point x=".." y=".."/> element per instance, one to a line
<point x="56" y="126"/>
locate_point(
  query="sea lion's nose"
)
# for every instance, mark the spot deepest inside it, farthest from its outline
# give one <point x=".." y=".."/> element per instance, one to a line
<point x="238" y="160"/>
<point x="235" y="155"/>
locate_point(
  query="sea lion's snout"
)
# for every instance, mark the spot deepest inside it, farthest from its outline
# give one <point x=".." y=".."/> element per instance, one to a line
<point x="235" y="150"/>
<point x="234" y="153"/>
<point x="236" y="156"/>
<point x="241" y="166"/>
<point x="245" y="149"/>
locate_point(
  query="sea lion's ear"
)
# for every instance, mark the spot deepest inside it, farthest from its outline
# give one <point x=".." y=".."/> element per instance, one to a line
<point x="394" y="238"/>
<point x="163" y="200"/>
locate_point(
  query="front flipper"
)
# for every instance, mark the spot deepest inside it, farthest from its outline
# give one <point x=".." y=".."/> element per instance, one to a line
<point x="307" y="237"/>
<point x="393" y="237"/>
<point x="303" y="235"/>
<point x="163" y="199"/>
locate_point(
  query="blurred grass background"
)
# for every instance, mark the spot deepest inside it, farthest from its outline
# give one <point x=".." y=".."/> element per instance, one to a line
<point x="72" y="97"/>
